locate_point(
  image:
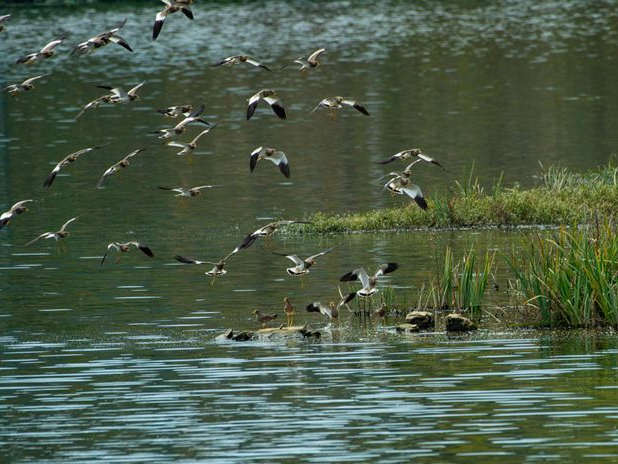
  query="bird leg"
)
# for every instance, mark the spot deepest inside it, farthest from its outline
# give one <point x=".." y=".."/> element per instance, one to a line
<point x="333" y="114"/>
<point x="212" y="282"/>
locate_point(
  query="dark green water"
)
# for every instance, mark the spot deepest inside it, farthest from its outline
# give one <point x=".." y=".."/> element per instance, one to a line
<point x="117" y="363"/>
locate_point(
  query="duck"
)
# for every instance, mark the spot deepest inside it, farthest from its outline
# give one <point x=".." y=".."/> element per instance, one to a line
<point x="66" y="161"/>
<point x="26" y="85"/>
<point x="335" y="103"/>
<point x="270" y="97"/>
<point x="171" y="6"/>
<point x="126" y="246"/>
<point x="238" y="59"/>
<point x="123" y="163"/>
<point x="46" y="52"/>
<point x="62" y="233"/>
<point x="102" y="39"/>
<point x="368" y="282"/>
<point x="271" y="154"/>
<point x="17" y="209"/>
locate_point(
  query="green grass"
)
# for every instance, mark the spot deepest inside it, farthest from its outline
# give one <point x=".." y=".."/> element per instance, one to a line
<point x="563" y="198"/>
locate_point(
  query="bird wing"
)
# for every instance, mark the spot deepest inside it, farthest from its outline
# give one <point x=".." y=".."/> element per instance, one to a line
<point x="111" y="170"/>
<point x="276" y="104"/>
<point x="53" y="43"/>
<point x="356" y="274"/>
<point x="316" y="54"/>
<point x="159" y="21"/>
<point x="32" y="79"/>
<point x="196" y="112"/>
<point x="17" y="205"/>
<point x="246" y="242"/>
<point x="257" y="64"/>
<point x="205" y="131"/>
<point x="320" y="254"/>
<point x="294" y="258"/>
<point x="281" y="160"/>
<point x="253" y="158"/>
<point x="64" y="226"/>
<point x="430" y="160"/>
<point x="184" y="260"/>
<point x="186" y="10"/>
<point x="355" y="105"/>
<point x="176" y="144"/>
<point x="93" y="104"/>
<point x="120" y="41"/>
<point x="386" y="268"/>
<point x="52" y="175"/>
<point x="202" y="187"/>
<point x="134" y="90"/>
<point x="253" y="103"/>
<point x="414" y="192"/>
<point x="143" y="248"/>
<point x="118" y="26"/>
<point x="43" y="235"/>
<point x="133" y="153"/>
<point x="109" y="247"/>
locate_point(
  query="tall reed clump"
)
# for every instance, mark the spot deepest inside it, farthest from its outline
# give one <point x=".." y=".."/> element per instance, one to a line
<point x="462" y="285"/>
<point x="571" y="277"/>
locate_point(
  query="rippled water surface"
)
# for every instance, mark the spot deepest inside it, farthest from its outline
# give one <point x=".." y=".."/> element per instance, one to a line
<point x="118" y="363"/>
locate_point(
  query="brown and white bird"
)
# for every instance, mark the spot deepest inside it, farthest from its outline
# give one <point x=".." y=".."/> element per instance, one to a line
<point x="118" y="94"/>
<point x="264" y="231"/>
<point x="335" y="103"/>
<point x="46" y="52"/>
<point x="310" y="62"/>
<point x="264" y="317"/>
<point x="237" y="59"/>
<point x="14" y="89"/>
<point x="185" y="192"/>
<point x="409" y="154"/>
<point x="102" y="39"/>
<point x="62" y="233"/>
<point x="331" y="311"/>
<point x="189" y="147"/>
<point x="3" y="19"/>
<point x="67" y="160"/>
<point x="270" y="97"/>
<point x="218" y="267"/>
<point x="17" y="209"/>
<point x="401" y="184"/>
<point x="289" y="310"/>
<point x="175" y="111"/>
<point x="114" y="168"/>
<point x="171" y="6"/>
<point x="270" y="154"/>
<point x="179" y="128"/>
<point x="368" y="282"/>
<point x="302" y="265"/>
<point x="124" y="247"/>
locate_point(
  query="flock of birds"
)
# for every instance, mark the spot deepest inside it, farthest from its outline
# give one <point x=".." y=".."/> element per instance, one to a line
<point x="399" y="183"/>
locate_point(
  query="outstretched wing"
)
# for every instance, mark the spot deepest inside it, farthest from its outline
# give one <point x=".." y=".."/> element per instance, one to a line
<point x="64" y="226"/>
<point x="386" y="268"/>
<point x="253" y="159"/>
<point x="276" y="104"/>
<point x="320" y="254"/>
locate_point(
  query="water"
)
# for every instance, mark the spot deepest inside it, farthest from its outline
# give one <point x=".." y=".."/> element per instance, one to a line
<point x="118" y="362"/>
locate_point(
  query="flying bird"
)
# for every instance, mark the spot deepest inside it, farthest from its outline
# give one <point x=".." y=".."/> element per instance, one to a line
<point x="335" y="103"/>
<point x="185" y="192"/>
<point x="102" y="39"/>
<point x="3" y="19"/>
<point x="114" y="168"/>
<point x="62" y="233"/>
<point x="218" y="267"/>
<point x="401" y="184"/>
<point x="124" y="247"/>
<point x="179" y="128"/>
<point x="271" y="154"/>
<point x="46" y="52"/>
<point x="264" y="231"/>
<point x="302" y="265"/>
<point x="368" y="282"/>
<point x="270" y="97"/>
<point x="67" y="160"/>
<point x="310" y="62"/>
<point x="331" y="311"/>
<point x="171" y="6"/>
<point x="14" y="89"/>
<point x="192" y="145"/>
<point x="16" y="209"/>
<point x="409" y="154"/>
<point x="175" y="111"/>
<point x="237" y="59"/>
<point x="118" y="95"/>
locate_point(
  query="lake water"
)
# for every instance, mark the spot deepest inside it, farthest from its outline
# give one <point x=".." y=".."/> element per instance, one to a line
<point x="118" y="363"/>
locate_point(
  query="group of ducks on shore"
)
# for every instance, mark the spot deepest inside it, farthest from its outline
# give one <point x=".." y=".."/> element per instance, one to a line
<point x="398" y="183"/>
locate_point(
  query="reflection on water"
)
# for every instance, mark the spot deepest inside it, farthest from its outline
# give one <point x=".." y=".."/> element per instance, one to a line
<point x="118" y="363"/>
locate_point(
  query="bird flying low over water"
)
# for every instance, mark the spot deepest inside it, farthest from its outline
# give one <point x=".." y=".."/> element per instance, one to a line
<point x="310" y="62"/>
<point x="14" y="89"/>
<point x="123" y="163"/>
<point x="16" y="209"/>
<point x="409" y="154"/>
<point x="3" y="19"/>
<point x="124" y="247"/>
<point x="331" y="311"/>
<point x="271" y="154"/>
<point x="302" y="265"/>
<point x="118" y="94"/>
<point x="368" y="282"/>
<point x="401" y="184"/>
<point x="264" y="231"/>
<point x="179" y="128"/>
<point x="334" y="103"/>
<point x="62" y="233"/>
<point x="65" y="162"/>
<point x="171" y="6"/>
<point x="188" y="147"/>
<point x="218" y="267"/>
<point x="102" y="39"/>
<point x="270" y="97"/>
<point x="237" y="59"/>
<point x="46" y="52"/>
<point x="184" y="192"/>
<point x="175" y="111"/>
